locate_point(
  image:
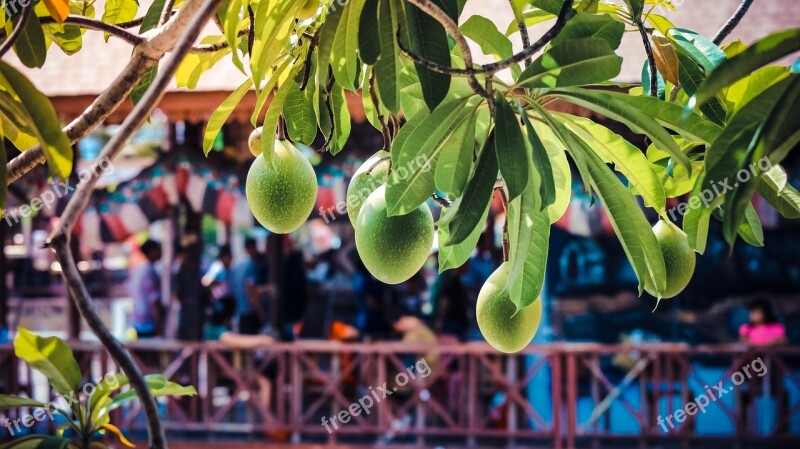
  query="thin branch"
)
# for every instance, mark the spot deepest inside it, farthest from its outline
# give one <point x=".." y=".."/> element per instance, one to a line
<point x="166" y="11"/>
<point x="433" y="10"/>
<point x="651" y="60"/>
<point x="444" y="202"/>
<point x="59" y="239"/>
<point x="495" y="67"/>
<point x="98" y="25"/>
<point x="127" y="36"/>
<point x="523" y="32"/>
<point x="251" y="30"/>
<point x="23" y="19"/>
<point x="732" y="22"/>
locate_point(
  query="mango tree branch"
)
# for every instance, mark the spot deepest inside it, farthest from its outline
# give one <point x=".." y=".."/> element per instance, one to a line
<point x="97" y="25"/>
<point x="433" y="10"/>
<point x="185" y="31"/>
<point x="495" y="67"/>
<point x="732" y="22"/>
<point x="9" y="42"/>
<point x="651" y="60"/>
<point x="146" y="55"/>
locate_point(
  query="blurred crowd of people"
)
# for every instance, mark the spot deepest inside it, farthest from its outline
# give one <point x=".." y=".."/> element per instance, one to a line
<point x="326" y="296"/>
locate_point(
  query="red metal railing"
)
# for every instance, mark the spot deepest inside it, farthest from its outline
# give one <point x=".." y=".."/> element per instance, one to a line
<point x="559" y="395"/>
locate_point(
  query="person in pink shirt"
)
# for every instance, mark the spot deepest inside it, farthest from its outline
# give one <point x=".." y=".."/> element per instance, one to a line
<point x="763" y="328"/>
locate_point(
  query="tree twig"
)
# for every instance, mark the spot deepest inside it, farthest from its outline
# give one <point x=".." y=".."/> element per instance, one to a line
<point x="98" y="25"/>
<point x="523" y="32"/>
<point x="12" y="38"/>
<point x="732" y="22"/>
<point x="651" y="60"/>
<point x="451" y="27"/>
<point x="495" y="67"/>
<point x="166" y="11"/>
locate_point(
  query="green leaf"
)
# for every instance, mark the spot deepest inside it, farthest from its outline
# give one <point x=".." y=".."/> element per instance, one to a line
<point x="69" y="38"/>
<point x="585" y="25"/>
<point x="561" y="171"/>
<point x="387" y="67"/>
<point x="572" y="63"/>
<point x="428" y="39"/>
<point x="764" y="51"/>
<point x="697" y="219"/>
<point x="415" y="152"/>
<point x="344" y="62"/>
<point x="273" y="27"/>
<point x="273" y="115"/>
<point x="774" y="187"/>
<point x="750" y="230"/>
<point x="636" y="7"/>
<point x="326" y="39"/>
<point x="692" y="75"/>
<point x="118" y="11"/>
<point x="369" y="44"/>
<point x="341" y="120"/>
<point x="159" y="387"/>
<point x="152" y="16"/>
<point x="196" y="64"/>
<point x="141" y="87"/>
<point x="222" y="113"/>
<point x="30" y="46"/>
<point x="512" y="155"/>
<point x="701" y="49"/>
<point x="627" y="219"/>
<point x="9" y="402"/>
<point x="453" y="256"/>
<point x="727" y="153"/>
<point x="628" y="114"/>
<point x="779" y="133"/>
<point x="780" y="130"/>
<point x="301" y="122"/>
<point x="529" y="235"/>
<point x="484" y="33"/>
<point x="672" y="116"/>
<point x="101" y="398"/>
<point x="541" y="164"/>
<point x="741" y="92"/>
<point x="477" y="196"/>
<point x="627" y="159"/>
<point x="454" y="166"/>
<point x="51" y="357"/>
<point x="55" y="144"/>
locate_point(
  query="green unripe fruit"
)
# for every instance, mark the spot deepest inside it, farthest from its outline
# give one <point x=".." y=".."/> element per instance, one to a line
<point x="393" y="248"/>
<point x="502" y="325"/>
<point x="308" y="10"/>
<point x="679" y="258"/>
<point x="254" y="142"/>
<point x="364" y="182"/>
<point x="281" y="196"/>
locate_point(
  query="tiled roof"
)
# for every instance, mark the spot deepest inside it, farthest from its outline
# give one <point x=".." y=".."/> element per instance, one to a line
<point x="94" y="67"/>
